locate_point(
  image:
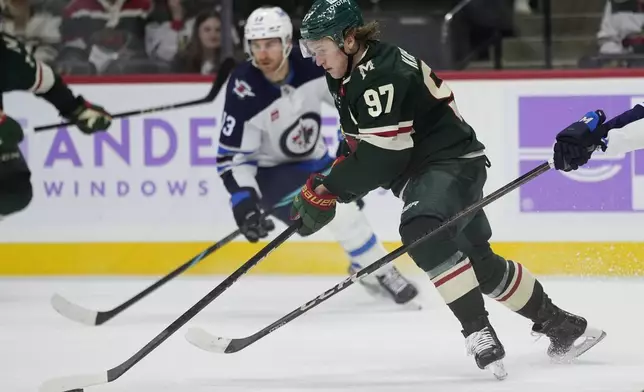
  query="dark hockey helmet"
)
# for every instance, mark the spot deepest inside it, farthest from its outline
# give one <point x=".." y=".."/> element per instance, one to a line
<point x="329" y="19"/>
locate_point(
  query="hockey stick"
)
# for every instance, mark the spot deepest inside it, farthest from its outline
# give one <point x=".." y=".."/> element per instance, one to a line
<point x="224" y="72"/>
<point x="208" y="342"/>
<point x="86" y="316"/>
<point x="76" y="383"/>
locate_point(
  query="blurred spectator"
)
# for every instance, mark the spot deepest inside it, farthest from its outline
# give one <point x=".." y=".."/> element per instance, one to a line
<point x="168" y="31"/>
<point x="202" y="54"/>
<point x="621" y="27"/>
<point x="104" y="32"/>
<point x="34" y="25"/>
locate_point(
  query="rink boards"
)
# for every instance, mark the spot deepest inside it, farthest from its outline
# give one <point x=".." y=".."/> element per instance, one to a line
<point x="299" y="258"/>
<point x="146" y="197"/>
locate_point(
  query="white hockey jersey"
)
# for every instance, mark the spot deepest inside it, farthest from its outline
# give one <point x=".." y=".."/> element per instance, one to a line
<point x="265" y="125"/>
<point x="626" y="132"/>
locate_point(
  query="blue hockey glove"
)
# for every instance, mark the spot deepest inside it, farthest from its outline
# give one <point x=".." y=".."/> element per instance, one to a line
<point x="575" y="144"/>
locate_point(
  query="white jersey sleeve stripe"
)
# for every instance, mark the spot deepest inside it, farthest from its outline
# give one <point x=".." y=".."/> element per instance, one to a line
<point x="226" y="151"/>
<point x="230" y="166"/>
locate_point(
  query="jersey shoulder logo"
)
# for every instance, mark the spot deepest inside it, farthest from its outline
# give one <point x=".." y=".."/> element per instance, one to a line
<point x="242" y="89"/>
<point x="364" y="68"/>
<point x="300" y="139"/>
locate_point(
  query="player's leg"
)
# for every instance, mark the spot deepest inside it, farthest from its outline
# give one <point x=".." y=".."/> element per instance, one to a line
<point x="432" y="197"/>
<point x="15" y="177"/>
<point x="352" y="230"/>
<point x="280" y="184"/>
<point x="511" y="284"/>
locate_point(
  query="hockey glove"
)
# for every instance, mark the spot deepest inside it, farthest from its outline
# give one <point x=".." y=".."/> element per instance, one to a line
<point x="248" y="215"/>
<point x="314" y="210"/>
<point x="11" y="133"/>
<point x="89" y="118"/>
<point x="575" y="144"/>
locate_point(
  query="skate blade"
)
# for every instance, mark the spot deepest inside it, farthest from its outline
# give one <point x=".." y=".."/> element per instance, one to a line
<point x="413" y="305"/>
<point x="373" y="288"/>
<point x="376" y="291"/>
<point x="498" y="370"/>
<point x="591" y="337"/>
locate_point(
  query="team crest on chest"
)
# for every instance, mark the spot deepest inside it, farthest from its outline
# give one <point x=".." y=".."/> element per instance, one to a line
<point x="301" y="137"/>
<point x="242" y="89"/>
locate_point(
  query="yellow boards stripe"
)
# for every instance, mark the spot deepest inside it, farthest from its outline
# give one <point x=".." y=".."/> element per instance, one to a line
<point x="296" y="258"/>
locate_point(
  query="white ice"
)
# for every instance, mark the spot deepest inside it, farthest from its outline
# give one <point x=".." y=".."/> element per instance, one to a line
<point x="350" y="343"/>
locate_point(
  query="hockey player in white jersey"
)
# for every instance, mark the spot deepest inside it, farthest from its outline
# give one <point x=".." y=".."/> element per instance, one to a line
<point x="270" y="143"/>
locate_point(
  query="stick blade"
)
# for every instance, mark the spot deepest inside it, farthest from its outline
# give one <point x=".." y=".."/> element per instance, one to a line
<point x="74" y="383"/>
<point x="74" y="312"/>
<point x="205" y="341"/>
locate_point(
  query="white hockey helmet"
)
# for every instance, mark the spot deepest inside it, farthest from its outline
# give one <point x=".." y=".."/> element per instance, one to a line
<point x="268" y="22"/>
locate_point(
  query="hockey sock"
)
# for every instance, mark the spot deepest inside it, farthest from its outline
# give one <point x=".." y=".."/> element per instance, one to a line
<point x="518" y="290"/>
<point x="456" y="282"/>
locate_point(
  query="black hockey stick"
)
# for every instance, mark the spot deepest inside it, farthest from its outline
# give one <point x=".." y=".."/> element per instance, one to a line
<point x="224" y="72"/>
<point x="86" y="316"/>
<point x="208" y="342"/>
<point x="76" y="383"/>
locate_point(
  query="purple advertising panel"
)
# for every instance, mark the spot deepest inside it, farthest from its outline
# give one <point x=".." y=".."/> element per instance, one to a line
<point x="604" y="184"/>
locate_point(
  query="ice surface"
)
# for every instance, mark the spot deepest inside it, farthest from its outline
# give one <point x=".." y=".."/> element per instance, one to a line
<point x="350" y="343"/>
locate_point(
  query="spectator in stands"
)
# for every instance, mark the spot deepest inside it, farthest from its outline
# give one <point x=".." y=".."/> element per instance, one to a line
<point x="168" y="31"/>
<point x="621" y="27"/>
<point x="104" y="32"/>
<point x="202" y="54"/>
<point x="34" y="25"/>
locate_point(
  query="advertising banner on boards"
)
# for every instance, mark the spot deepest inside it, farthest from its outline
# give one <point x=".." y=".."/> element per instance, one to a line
<point x="606" y="184"/>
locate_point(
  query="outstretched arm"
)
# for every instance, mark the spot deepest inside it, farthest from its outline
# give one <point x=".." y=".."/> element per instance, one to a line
<point x="575" y="144"/>
<point x="21" y="71"/>
<point x="239" y="144"/>
<point x="620" y="141"/>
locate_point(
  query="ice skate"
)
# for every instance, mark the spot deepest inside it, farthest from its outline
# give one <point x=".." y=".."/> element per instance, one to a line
<point x="487" y="349"/>
<point x="564" y="329"/>
<point x="390" y="284"/>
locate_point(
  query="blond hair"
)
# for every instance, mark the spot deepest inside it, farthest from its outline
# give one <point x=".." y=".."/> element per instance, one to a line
<point x="368" y="32"/>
